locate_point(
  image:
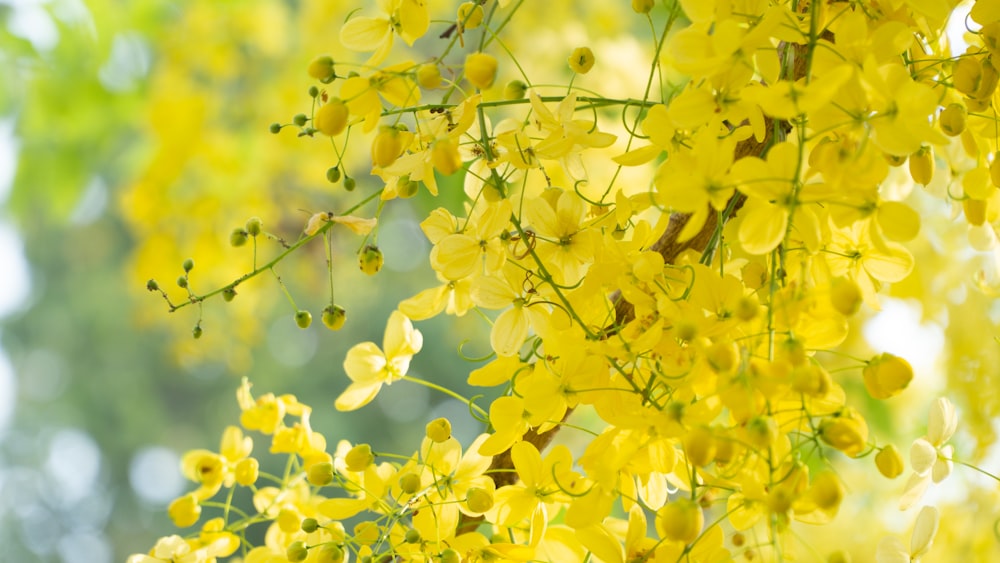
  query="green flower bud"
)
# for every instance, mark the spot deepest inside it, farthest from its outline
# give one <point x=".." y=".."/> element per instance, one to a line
<point x="359" y="457"/>
<point x="334" y="317"/>
<point x="196" y="332"/>
<point x="188" y="265"/>
<point x="300" y="119"/>
<point x="151" y="285"/>
<point x="309" y="525"/>
<point x="479" y="500"/>
<point x="303" y="319"/>
<point x="412" y="536"/>
<point x="320" y="474"/>
<point x="254" y="226"/>
<point x="182" y="281"/>
<point x="238" y="237"/>
<point x="642" y="6"/>
<point x="333" y="174"/>
<point x="275" y="128"/>
<point x="370" y="259"/>
<point x="330" y="553"/>
<point x="409" y="483"/>
<point x="228" y="294"/>
<point x="350" y="184"/>
<point x="450" y="556"/>
<point x="407" y="189"/>
<point x="297" y="551"/>
<point x="514" y="90"/>
<point x="313" y="91"/>
<point x="321" y="68"/>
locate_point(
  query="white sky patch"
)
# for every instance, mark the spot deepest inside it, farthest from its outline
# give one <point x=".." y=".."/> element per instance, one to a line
<point x="897" y="329"/>
<point x="74" y="464"/>
<point x="956" y="28"/>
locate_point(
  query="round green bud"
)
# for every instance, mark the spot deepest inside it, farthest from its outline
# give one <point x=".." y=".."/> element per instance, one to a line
<point x="275" y="128"/>
<point x="334" y="317"/>
<point x="151" y="285"/>
<point x="407" y="189"/>
<point x="254" y="226"/>
<point x="188" y="265"/>
<point x="297" y="551"/>
<point x="320" y="474"/>
<point x="330" y="553"/>
<point x="479" y="500"/>
<point x="412" y="536"/>
<point x="238" y="237"/>
<point x="300" y="119"/>
<point x="642" y="6"/>
<point x="450" y="556"/>
<point x="514" y="90"/>
<point x="313" y="91"/>
<point x="370" y="259"/>
<point x="333" y="174"/>
<point x="228" y="294"/>
<point x="309" y="525"/>
<point x="182" y="282"/>
<point x="350" y="184"/>
<point x="409" y="483"/>
<point x="303" y="319"/>
<point x="196" y="332"/>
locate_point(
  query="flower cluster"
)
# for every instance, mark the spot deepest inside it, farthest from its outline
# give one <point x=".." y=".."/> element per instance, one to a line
<point x="692" y="308"/>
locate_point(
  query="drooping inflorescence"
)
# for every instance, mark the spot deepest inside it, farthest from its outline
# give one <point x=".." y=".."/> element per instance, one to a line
<point x="683" y="261"/>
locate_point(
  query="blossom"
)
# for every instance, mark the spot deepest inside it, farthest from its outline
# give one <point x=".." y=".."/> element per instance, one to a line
<point x="930" y="457"/>
<point x="369" y="366"/>
<point x="892" y="550"/>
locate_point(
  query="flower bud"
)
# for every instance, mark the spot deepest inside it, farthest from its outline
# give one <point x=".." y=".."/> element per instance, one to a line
<point x="350" y="184"/>
<point x="333" y="174"/>
<point x="407" y="188"/>
<point x="151" y="285"/>
<point x="247" y="470"/>
<point x="411" y="536"/>
<point x="889" y="462"/>
<point x="952" y="120"/>
<point x="966" y="75"/>
<point x="845" y="296"/>
<point x="228" y="294"/>
<point x="182" y="282"/>
<point x="184" y="511"/>
<point x="334" y="317"/>
<point x="450" y="556"/>
<point x="409" y="483"/>
<point x="479" y="500"/>
<point x="238" y="237"/>
<point x="321" y="68"/>
<point x="331" y="118"/>
<point x="438" y="430"/>
<point x="846" y="431"/>
<point x="330" y="553"/>
<point x="300" y="119"/>
<point x="582" y="60"/>
<point x="387" y="147"/>
<point x="643" y="6"/>
<point x="922" y="166"/>
<point x="359" y="458"/>
<point x="309" y="525"/>
<point x="303" y="319"/>
<point x="188" y="265"/>
<point x="254" y="226"/>
<point x="274" y="128"/>
<point x="680" y="520"/>
<point x="428" y="76"/>
<point x="320" y="474"/>
<point x="296" y="552"/>
<point x="480" y="70"/>
<point x="887" y="375"/>
<point x="975" y="211"/>
<point x="196" y="332"/>
<point x="699" y="446"/>
<point x="370" y="260"/>
<point x="470" y="15"/>
<point x="313" y="91"/>
<point x="514" y="90"/>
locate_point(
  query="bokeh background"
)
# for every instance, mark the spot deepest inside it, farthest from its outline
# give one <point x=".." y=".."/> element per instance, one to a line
<point x="135" y="134"/>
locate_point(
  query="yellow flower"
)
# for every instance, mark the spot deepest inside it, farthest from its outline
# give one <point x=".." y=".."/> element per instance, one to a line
<point x="887" y="375"/>
<point x="481" y="70"/>
<point x="930" y="457"/>
<point x="408" y="18"/>
<point x="892" y="550"/>
<point x="582" y="60"/>
<point x="369" y="366"/>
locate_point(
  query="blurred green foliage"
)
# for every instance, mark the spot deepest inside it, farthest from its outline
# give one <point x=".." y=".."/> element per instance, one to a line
<point x="102" y="370"/>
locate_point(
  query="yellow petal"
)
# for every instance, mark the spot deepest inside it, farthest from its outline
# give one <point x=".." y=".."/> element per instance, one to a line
<point x="365" y="34"/>
<point x="638" y="156"/>
<point x="357" y="395"/>
<point x="358" y="225"/>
